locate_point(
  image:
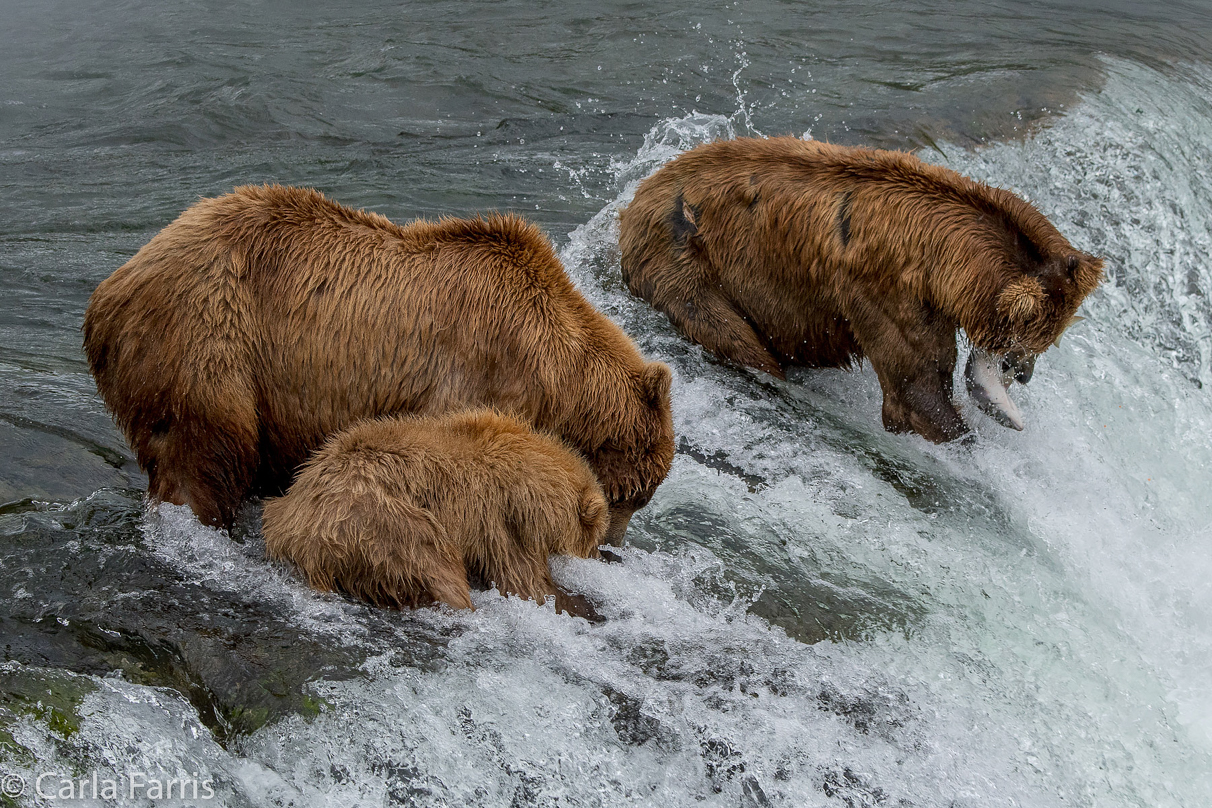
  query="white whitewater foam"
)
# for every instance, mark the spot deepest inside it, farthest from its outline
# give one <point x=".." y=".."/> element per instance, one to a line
<point x="209" y="556"/>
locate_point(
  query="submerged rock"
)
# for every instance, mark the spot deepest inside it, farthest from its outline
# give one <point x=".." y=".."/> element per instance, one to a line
<point x="84" y="593"/>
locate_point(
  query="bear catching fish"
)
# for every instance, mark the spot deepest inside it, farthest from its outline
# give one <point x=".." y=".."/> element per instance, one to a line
<point x="779" y="252"/>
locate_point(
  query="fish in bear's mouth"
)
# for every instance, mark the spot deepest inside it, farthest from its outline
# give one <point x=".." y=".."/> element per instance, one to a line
<point x="988" y="376"/>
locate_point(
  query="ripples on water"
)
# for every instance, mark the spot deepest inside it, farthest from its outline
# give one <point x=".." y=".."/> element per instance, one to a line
<point x="812" y="611"/>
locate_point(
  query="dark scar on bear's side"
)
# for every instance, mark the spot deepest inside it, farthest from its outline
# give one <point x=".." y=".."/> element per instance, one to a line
<point x="751" y="193"/>
<point x="682" y="228"/>
<point x="843" y="218"/>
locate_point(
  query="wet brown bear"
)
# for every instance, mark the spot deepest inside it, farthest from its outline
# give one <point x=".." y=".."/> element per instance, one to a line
<point x="398" y="511"/>
<point x="781" y="252"/>
<point x="261" y="322"/>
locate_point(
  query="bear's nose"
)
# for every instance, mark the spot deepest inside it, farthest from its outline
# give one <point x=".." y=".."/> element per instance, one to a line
<point x="1020" y="367"/>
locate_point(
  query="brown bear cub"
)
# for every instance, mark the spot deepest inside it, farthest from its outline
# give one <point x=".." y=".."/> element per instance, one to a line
<point x="261" y="322"/>
<point x="399" y="511"/>
<point x="780" y="252"/>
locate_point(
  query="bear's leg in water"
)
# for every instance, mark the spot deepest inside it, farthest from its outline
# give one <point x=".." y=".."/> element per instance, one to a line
<point x="913" y="352"/>
<point x="405" y="556"/>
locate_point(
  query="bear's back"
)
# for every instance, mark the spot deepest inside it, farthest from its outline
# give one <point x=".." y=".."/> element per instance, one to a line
<point x="808" y="172"/>
<point x="466" y="467"/>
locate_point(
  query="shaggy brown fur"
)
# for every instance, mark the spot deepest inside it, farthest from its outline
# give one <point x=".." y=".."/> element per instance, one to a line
<point x="783" y="252"/>
<point x="398" y="511"/>
<point x="261" y="322"/>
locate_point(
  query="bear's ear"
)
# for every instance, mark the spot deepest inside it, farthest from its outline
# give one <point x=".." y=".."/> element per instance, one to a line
<point x="655" y="383"/>
<point x="1089" y="273"/>
<point x="593" y="507"/>
<point x="1021" y="299"/>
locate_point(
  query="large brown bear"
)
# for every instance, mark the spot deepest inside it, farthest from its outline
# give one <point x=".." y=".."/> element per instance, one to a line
<point x="398" y="511"/>
<point x="781" y="252"/>
<point x="261" y="322"/>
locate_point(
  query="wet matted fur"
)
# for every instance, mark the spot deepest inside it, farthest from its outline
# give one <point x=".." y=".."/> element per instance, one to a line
<point x="779" y="252"/>
<point x="398" y="511"/>
<point x="261" y="322"/>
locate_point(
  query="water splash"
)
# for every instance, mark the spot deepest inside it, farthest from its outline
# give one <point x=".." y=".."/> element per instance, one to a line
<point x="1127" y="172"/>
<point x="210" y="557"/>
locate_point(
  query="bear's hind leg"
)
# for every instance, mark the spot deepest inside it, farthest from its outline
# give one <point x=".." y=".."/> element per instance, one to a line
<point x="404" y="558"/>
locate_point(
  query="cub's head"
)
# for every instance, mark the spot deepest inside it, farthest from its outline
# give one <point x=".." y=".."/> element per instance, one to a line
<point x="546" y="489"/>
<point x="632" y="461"/>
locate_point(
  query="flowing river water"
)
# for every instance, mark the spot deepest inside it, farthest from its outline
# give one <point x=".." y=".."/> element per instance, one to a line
<point x="811" y="612"/>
